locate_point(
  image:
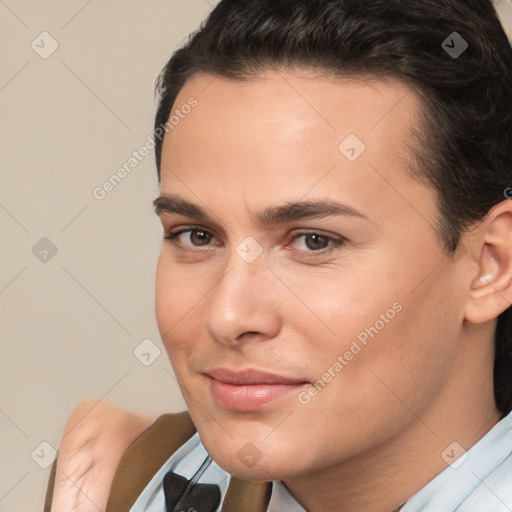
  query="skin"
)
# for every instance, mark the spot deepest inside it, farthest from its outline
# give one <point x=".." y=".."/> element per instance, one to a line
<point x="374" y="436"/>
<point x="94" y="439"/>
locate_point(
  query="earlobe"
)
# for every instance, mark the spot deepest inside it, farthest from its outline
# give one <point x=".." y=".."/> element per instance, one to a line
<point x="491" y="289"/>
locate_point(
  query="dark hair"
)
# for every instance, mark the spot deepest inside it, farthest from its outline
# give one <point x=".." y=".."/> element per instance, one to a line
<point x="463" y="139"/>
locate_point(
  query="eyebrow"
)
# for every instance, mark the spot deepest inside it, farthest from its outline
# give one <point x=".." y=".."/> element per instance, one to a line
<point x="288" y="212"/>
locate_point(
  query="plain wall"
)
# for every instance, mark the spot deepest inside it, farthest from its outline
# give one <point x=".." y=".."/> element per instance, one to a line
<point x="70" y="321"/>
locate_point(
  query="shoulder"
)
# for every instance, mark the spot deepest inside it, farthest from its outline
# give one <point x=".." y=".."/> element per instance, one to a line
<point x="94" y="440"/>
<point x="97" y="430"/>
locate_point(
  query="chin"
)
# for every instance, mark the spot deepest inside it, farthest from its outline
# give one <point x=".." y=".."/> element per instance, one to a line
<point x="243" y="459"/>
<point x="243" y="448"/>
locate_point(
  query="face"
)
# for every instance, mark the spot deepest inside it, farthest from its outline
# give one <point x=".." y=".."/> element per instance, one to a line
<point x="296" y="289"/>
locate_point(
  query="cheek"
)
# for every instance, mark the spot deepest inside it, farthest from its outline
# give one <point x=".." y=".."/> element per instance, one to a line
<point x="331" y="308"/>
<point x="165" y="296"/>
<point x="177" y="301"/>
<point x="403" y="346"/>
<point x="382" y="328"/>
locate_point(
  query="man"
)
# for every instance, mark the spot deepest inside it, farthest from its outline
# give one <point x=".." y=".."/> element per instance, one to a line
<point x="335" y="280"/>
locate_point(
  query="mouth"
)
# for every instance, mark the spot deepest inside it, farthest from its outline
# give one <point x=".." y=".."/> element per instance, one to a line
<point x="250" y="389"/>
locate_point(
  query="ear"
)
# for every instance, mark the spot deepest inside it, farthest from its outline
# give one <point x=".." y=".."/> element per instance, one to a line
<point x="491" y="288"/>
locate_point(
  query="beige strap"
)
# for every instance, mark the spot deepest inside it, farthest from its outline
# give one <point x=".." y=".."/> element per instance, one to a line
<point x="145" y="456"/>
<point x="246" y="496"/>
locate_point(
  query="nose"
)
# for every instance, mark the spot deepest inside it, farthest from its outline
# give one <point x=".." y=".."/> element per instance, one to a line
<point x="243" y="305"/>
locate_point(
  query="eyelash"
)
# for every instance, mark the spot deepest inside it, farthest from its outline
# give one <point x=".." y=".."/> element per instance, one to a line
<point x="335" y="243"/>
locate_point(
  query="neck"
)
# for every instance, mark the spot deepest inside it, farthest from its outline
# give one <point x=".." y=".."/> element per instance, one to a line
<point x="386" y="476"/>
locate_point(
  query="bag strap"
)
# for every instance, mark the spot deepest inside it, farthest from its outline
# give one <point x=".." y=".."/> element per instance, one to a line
<point x="145" y="456"/>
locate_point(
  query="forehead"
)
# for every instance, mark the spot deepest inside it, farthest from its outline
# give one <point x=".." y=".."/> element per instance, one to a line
<point x="294" y="106"/>
<point x="288" y="133"/>
<point x="337" y="101"/>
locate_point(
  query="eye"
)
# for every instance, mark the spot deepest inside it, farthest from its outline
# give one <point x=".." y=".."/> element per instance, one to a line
<point x="192" y="237"/>
<point x="310" y="243"/>
<point x="313" y="241"/>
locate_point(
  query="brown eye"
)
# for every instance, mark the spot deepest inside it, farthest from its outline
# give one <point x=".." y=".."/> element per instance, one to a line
<point x="195" y="237"/>
<point x="316" y="242"/>
<point x="312" y="242"/>
<point x="200" y="237"/>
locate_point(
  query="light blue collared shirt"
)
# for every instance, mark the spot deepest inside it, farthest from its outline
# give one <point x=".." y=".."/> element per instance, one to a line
<point x="478" y="481"/>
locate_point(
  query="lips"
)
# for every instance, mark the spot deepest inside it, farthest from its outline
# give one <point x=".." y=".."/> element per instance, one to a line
<point x="249" y="390"/>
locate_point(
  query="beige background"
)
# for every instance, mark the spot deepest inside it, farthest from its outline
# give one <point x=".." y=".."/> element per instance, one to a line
<point x="70" y="324"/>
